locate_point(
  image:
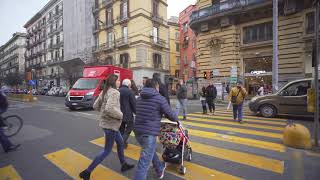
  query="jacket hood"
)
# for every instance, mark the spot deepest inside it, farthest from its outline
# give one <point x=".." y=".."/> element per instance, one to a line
<point x="147" y="93"/>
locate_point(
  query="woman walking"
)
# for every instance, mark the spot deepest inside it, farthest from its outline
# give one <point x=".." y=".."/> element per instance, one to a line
<point x="203" y="100"/>
<point x="108" y="103"/>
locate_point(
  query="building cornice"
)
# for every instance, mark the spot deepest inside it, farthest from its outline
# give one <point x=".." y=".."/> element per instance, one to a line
<point x="12" y="39"/>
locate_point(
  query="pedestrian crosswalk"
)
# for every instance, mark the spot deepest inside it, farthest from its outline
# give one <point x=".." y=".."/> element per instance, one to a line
<point x="255" y="145"/>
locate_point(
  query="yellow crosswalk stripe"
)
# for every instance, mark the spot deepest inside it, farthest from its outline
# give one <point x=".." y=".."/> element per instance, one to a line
<point x="258" y="126"/>
<point x="246" y="116"/>
<point x="238" y="140"/>
<point x="72" y="163"/>
<point x="238" y="130"/>
<point x="9" y="173"/>
<point x="216" y="117"/>
<point x="240" y="157"/>
<point x="194" y="171"/>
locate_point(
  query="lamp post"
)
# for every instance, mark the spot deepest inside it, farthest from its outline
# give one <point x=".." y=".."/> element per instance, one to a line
<point x="275" y="78"/>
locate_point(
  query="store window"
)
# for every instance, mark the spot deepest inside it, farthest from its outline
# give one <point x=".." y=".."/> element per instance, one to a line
<point x="257" y="33"/>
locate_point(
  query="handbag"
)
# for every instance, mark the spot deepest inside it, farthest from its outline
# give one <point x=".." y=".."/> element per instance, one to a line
<point x="234" y="98"/>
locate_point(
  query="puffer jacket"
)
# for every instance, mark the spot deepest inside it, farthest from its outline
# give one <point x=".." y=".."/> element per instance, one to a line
<point x="110" y="112"/>
<point x="150" y="107"/>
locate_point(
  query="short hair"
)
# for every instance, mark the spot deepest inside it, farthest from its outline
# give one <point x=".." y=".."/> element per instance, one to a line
<point x="126" y="82"/>
<point x="151" y="83"/>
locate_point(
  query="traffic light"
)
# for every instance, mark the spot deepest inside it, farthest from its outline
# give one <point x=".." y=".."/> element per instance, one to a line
<point x="211" y="74"/>
<point x="205" y="75"/>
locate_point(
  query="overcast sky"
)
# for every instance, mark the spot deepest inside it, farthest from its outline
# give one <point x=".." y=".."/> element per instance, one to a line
<point x="15" y="13"/>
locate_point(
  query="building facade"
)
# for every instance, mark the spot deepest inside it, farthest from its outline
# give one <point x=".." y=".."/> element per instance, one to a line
<point x="12" y="58"/>
<point x="174" y="41"/>
<point x="132" y="34"/>
<point x="188" y="41"/>
<point x="45" y="45"/>
<point x="232" y="43"/>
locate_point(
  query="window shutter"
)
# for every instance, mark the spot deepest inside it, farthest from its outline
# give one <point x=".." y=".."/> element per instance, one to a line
<point x="121" y="10"/>
<point x="107" y="17"/>
<point x="128" y="8"/>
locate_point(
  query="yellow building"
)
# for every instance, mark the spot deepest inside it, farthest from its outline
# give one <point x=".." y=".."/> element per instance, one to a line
<point x="227" y="37"/>
<point x="174" y="41"/>
<point x="133" y="34"/>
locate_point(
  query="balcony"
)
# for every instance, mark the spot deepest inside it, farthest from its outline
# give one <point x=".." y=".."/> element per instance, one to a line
<point x="158" y="42"/>
<point x="122" y="42"/>
<point x="122" y="19"/>
<point x="224" y="8"/>
<point x="158" y="19"/>
<point x="99" y="6"/>
<point x="158" y="66"/>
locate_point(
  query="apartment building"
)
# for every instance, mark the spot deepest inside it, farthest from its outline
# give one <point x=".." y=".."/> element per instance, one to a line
<point x="133" y="34"/>
<point x="174" y="42"/>
<point x="45" y="45"/>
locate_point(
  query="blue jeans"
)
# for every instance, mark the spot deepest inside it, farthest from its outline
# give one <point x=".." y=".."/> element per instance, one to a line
<point x="4" y="141"/>
<point x="237" y="111"/>
<point x="182" y="103"/>
<point x="110" y="137"/>
<point x="147" y="154"/>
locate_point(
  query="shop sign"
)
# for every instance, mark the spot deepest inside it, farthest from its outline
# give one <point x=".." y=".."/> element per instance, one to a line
<point x="258" y="72"/>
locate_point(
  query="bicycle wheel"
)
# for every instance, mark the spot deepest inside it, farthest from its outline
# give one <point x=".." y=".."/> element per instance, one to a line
<point x="14" y="124"/>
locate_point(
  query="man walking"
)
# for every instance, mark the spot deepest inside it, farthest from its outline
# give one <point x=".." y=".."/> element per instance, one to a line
<point x="237" y="96"/>
<point x="182" y="99"/>
<point x="163" y="89"/>
<point x="211" y="94"/>
<point x="150" y="107"/>
<point x="128" y="107"/>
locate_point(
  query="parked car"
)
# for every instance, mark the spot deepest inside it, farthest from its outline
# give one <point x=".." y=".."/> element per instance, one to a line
<point x="63" y="91"/>
<point x="44" y="90"/>
<point x="289" y="100"/>
<point x="54" y="91"/>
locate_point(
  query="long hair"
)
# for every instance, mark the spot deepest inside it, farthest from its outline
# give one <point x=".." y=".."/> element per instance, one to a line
<point x="134" y="88"/>
<point x="110" y="82"/>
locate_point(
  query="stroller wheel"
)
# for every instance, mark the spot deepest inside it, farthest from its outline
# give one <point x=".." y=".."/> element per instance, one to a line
<point x="189" y="154"/>
<point x="182" y="170"/>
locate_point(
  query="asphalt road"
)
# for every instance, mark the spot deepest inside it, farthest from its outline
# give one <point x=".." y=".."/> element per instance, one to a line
<point x="58" y="144"/>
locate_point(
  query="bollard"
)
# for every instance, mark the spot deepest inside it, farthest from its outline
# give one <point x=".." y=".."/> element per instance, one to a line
<point x="297" y="136"/>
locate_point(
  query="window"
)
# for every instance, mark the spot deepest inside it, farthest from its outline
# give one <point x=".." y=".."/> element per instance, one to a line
<point x="96" y="3"/>
<point x="194" y="43"/>
<point x="57" y="9"/>
<point x="124" y="60"/>
<point x="177" y="35"/>
<point x="50" y="15"/>
<point x="178" y="61"/>
<point x="110" y="39"/>
<point x="58" y="39"/>
<point x="109" y="16"/>
<point x="57" y="54"/>
<point x="43" y="21"/>
<point x="297" y="89"/>
<point x="185" y="59"/>
<point x="155" y="8"/>
<point x="155" y="34"/>
<point x="125" y="34"/>
<point x="157" y="61"/>
<point x="185" y="27"/>
<point x="177" y="73"/>
<point x="257" y="33"/>
<point x="177" y="47"/>
<point x="310" y="23"/>
<point x="109" y="61"/>
<point x="124" y="9"/>
<point x="62" y="53"/>
<point x="51" y="55"/>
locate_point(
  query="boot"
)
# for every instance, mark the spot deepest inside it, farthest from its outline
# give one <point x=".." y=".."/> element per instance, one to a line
<point x="126" y="167"/>
<point x="85" y="175"/>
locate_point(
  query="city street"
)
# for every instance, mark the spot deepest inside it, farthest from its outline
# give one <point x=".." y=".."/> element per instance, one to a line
<point x="58" y="144"/>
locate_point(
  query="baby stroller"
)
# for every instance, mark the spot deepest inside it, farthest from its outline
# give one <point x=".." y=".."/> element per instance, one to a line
<point x="175" y="141"/>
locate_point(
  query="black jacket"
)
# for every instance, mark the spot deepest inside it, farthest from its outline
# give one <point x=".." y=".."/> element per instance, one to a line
<point x="163" y="90"/>
<point x="3" y="102"/>
<point x="211" y="92"/>
<point x="182" y="92"/>
<point x="128" y="103"/>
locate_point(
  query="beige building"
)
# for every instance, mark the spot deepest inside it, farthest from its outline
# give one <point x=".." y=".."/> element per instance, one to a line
<point x="12" y="56"/>
<point x="174" y="42"/>
<point x="228" y="38"/>
<point x="132" y="34"/>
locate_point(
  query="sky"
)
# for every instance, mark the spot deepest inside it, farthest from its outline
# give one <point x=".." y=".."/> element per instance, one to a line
<point x="15" y="13"/>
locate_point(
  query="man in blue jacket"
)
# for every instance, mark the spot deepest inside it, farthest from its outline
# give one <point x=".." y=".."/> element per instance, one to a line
<point x="150" y="107"/>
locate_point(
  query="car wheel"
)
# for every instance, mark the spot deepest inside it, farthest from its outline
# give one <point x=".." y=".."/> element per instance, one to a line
<point x="268" y="111"/>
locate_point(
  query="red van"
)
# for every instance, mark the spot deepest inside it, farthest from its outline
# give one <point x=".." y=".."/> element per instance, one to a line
<point x="85" y="91"/>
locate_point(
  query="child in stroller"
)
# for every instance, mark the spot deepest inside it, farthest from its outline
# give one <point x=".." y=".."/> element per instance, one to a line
<point x="175" y="141"/>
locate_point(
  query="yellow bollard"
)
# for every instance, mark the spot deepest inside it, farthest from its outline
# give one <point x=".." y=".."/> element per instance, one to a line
<point x="297" y="136"/>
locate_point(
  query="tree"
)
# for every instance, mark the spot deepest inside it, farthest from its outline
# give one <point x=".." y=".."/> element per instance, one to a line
<point x="13" y="79"/>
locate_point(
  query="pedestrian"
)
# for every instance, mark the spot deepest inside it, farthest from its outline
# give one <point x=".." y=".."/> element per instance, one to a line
<point x="5" y="142"/>
<point x="211" y="94"/>
<point x="134" y="88"/>
<point x="108" y="103"/>
<point x="182" y="99"/>
<point x="203" y="100"/>
<point x="163" y="90"/>
<point x="128" y="108"/>
<point x="237" y="96"/>
<point x="150" y="107"/>
<point x="261" y="90"/>
<point x="228" y="88"/>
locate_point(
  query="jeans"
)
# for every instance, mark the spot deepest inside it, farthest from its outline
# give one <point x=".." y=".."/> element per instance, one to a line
<point x="126" y="129"/>
<point x="4" y="141"/>
<point x="204" y="106"/>
<point x="237" y="111"/>
<point x="147" y="154"/>
<point x="110" y="137"/>
<point x="182" y="103"/>
<point x="211" y="104"/>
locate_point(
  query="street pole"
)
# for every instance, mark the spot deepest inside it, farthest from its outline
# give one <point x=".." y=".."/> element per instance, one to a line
<point x="316" y="74"/>
<point x="275" y="78"/>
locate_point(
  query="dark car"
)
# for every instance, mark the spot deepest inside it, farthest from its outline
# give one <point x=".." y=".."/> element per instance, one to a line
<point x="289" y="100"/>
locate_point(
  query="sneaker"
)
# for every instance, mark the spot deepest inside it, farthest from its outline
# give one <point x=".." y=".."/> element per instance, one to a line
<point x="161" y="174"/>
<point x="4" y="128"/>
<point x="240" y="121"/>
<point x="12" y="148"/>
<point x="126" y="167"/>
<point x="85" y="175"/>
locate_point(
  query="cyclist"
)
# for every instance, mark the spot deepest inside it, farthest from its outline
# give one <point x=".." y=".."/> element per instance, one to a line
<point x="4" y="141"/>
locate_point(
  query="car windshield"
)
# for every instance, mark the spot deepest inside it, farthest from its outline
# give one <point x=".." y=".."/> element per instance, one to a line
<point x="85" y="84"/>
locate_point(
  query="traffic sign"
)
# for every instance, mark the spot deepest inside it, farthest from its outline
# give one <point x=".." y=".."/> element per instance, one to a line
<point x="32" y="82"/>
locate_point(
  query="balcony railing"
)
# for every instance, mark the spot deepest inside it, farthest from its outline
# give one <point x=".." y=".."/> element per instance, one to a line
<point x="158" y="42"/>
<point x="157" y="19"/>
<point x="122" y="19"/>
<point x="224" y="7"/>
<point x="124" y="41"/>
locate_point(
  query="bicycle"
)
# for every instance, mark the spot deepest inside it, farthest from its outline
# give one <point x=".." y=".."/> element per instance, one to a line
<point x="13" y="124"/>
